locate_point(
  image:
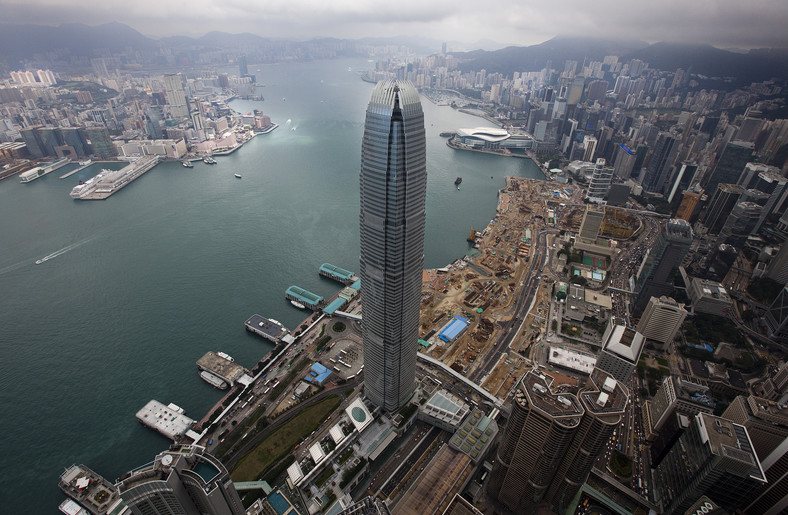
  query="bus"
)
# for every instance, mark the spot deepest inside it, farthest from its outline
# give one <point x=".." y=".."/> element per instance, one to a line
<point x="267" y="390"/>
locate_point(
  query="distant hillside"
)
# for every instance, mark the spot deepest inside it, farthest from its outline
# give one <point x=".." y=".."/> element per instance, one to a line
<point x="534" y="58"/>
<point x="19" y="42"/>
<point x="755" y="65"/>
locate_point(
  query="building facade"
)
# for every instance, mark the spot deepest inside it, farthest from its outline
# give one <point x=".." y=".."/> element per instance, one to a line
<point x="661" y="319"/>
<point x="393" y="193"/>
<point x="621" y="348"/>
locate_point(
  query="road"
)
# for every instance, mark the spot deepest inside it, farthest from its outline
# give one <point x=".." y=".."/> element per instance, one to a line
<point x="511" y="328"/>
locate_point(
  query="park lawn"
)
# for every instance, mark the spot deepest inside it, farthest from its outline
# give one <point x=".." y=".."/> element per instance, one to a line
<point x="281" y="441"/>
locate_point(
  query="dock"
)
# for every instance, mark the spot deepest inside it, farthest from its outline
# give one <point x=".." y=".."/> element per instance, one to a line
<point x="109" y="182"/>
<point x="226" y="370"/>
<point x="307" y="298"/>
<point x="336" y="273"/>
<point x="268" y="328"/>
<point x="168" y="420"/>
<point x="75" y="170"/>
<point x="40" y="171"/>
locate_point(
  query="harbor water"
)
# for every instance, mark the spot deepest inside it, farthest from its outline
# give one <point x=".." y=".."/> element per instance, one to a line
<point x="132" y="290"/>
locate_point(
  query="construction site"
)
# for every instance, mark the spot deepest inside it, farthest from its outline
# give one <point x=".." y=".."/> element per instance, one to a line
<point x="480" y="289"/>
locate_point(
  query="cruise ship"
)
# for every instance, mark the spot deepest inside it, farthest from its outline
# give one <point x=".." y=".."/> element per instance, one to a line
<point x="108" y="182"/>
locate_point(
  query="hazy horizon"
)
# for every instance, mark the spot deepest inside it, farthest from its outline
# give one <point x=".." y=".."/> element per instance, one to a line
<point x="722" y="23"/>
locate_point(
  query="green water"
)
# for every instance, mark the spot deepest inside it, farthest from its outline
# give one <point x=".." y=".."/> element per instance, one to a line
<point x="143" y="284"/>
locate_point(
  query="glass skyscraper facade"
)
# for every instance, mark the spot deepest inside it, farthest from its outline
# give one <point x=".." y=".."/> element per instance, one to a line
<point x="393" y="193"/>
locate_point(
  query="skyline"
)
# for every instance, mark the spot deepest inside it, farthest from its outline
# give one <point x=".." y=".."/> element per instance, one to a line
<point x="724" y="24"/>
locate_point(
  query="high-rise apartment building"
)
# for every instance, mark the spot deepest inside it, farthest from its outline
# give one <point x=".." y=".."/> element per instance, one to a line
<point x="552" y="440"/>
<point x="176" y="96"/>
<point x="185" y="481"/>
<point x="621" y="348"/>
<point x="393" y="195"/>
<point x="713" y="457"/>
<point x="661" y="264"/>
<point x="661" y="319"/>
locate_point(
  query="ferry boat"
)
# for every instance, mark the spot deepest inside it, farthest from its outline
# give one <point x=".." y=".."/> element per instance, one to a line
<point x="213" y="380"/>
<point x="187" y="164"/>
<point x="209" y="160"/>
<point x="86" y="163"/>
<point x="297" y="304"/>
<point x="237" y="176"/>
<point x="225" y="356"/>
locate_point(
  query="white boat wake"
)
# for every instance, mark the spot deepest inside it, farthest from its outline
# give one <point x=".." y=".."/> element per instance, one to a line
<point x="62" y="251"/>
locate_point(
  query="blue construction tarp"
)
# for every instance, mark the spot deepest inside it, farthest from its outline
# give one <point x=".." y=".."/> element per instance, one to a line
<point x="453" y="329"/>
<point x="321" y="373"/>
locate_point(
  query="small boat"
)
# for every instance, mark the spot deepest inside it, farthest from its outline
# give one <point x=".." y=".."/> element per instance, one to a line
<point x="297" y="304"/>
<point x="225" y="356"/>
<point x="187" y="164"/>
<point x="213" y="380"/>
<point x="39" y="261"/>
<point x="458" y="181"/>
<point x="209" y="160"/>
<point x="237" y="176"/>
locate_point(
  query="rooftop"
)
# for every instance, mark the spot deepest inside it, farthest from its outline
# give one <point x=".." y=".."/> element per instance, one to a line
<point x="730" y="440"/>
<point x="490" y="134"/>
<point x="304" y="295"/>
<point x="573" y="360"/>
<point x="537" y="387"/>
<point x="221" y="367"/>
<point x="336" y="271"/>
<point x="624" y="341"/>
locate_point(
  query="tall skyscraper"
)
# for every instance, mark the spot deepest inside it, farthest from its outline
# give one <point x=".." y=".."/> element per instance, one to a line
<point x="662" y="262"/>
<point x="552" y="439"/>
<point x="730" y="166"/>
<point x="621" y="348"/>
<point x="393" y="195"/>
<point x="600" y="182"/>
<point x="725" y="197"/>
<point x="662" y="319"/>
<point x="660" y="163"/>
<point x="713" y="457"/>
<point x="185" y="480"/>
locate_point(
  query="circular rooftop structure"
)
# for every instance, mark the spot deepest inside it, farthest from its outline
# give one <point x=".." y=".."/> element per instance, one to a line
<point x="359" y="415"/>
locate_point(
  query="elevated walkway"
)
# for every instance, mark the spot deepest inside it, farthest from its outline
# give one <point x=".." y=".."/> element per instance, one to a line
<point x="481" y="391"/>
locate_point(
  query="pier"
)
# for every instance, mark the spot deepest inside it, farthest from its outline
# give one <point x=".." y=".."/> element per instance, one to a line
<point x="338" y="274"/>
<point x="226" y="370"/>
<point x="168" y="420"/>
<point x="75" y="170"/>
<point x="268" y="328"/>
<point x="109" y="182"/>
<point x="307" y="298"/>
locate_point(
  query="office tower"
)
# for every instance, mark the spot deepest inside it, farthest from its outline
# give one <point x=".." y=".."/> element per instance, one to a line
<point x="660" y="163"/>
<point x="596" y="90"/>
<point x="621" y="348"/>
<point x="730" y="166"/>
<point x="589" y="144"/>
<point x="775" y="185"/>
<point x="552" y="440"/>
<point x="772" y="499"/>
<point x="777" y="316"/>
<point x="778" y="267"/>
<point x="720" y="262"/>
<point x="98" y="142"/>
<point x="713" y="457"/>
<point x="661" y="319"/>
<point x="675" y="396"/>
<point x="592" y="222"/>
<point x="662" y="262"/>
<point x="601" y="179"/>
<point x="71" y="137"/>
<point x="393" y="193"/>
<point x="725" y="198"/>
<point x="625" y="162"/>
<point x="740" y="223"/>
<point x="688" y="206"/>
<point x="681" y="180"/>
<point x="32" y="141"/>
<point x="243" y="67"/>
<point x="49" y="140"/>
<point x="184" y="480"/>
<point x="176" y="96"/>
<point x="765" y="420"/>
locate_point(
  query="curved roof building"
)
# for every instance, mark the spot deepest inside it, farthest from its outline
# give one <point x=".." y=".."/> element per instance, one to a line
<point x="483" y="134"/>
<point x="393" y="193"/>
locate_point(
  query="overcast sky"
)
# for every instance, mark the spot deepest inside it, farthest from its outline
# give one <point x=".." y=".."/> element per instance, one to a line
<point x="723" y="23"/>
